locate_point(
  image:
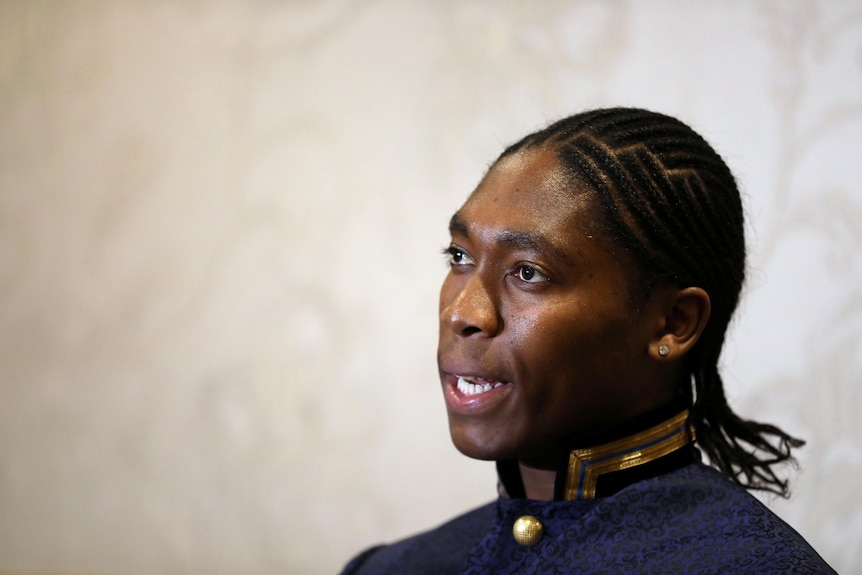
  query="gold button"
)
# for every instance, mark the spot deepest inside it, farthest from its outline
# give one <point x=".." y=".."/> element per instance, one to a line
<point x="528" y="531"/>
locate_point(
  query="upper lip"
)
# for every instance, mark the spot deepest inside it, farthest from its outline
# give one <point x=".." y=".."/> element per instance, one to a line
<point x="471" y="369"/>
<point x="478" y="379"/>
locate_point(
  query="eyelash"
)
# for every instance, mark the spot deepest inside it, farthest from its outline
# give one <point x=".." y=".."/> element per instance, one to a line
<point x="519" y="270"/>
<point x="453" y="252"/>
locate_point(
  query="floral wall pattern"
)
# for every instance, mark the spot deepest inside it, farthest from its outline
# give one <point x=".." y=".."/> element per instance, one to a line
<point x="220" y="227"/>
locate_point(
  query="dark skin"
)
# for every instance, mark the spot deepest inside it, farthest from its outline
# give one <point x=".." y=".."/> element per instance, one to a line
<point x="542" y="335"/>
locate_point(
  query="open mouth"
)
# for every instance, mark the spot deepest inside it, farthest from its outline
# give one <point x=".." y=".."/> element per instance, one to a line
<point x="476" y="385"/>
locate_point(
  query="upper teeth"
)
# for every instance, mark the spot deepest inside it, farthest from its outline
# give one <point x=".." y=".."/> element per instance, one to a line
<point x="467" y="387"/>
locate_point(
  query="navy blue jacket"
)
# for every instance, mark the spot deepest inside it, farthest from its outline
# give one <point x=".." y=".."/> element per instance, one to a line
<point x="691" y="520"/>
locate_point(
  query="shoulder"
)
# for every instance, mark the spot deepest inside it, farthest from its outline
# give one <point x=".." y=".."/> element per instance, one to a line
<point x="438" y="550"/>
<point x="698" y="512"/>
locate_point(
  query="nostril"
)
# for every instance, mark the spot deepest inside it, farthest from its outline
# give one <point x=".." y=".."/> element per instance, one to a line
<point x="470" y="330"/>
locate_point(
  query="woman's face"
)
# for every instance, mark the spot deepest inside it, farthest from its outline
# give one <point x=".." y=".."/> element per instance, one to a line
<point x="539" y="335"/>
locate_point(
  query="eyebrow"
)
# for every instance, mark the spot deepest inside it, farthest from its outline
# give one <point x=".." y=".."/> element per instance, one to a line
<point x="514" y="238"/>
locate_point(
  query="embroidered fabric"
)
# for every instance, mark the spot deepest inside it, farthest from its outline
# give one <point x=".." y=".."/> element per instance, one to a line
<point x="691" y="520"/>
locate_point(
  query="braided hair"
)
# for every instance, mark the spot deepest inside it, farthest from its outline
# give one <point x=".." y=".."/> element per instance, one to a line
<point x="669" y="199"/>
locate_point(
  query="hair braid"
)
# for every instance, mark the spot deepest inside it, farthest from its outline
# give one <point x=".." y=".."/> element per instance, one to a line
<point x="668" y="198"/>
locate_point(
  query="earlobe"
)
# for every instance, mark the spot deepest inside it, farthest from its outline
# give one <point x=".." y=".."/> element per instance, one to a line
<point x="686" y="314"/>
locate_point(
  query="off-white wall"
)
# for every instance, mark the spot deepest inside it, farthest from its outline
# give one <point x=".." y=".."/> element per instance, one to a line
<point x="219" y="236"/>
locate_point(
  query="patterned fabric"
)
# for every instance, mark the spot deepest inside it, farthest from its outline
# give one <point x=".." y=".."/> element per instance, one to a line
<point x="692" y="520"/>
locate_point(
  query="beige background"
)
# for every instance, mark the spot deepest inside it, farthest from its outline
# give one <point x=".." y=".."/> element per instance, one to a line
<point x="220" y="227"/>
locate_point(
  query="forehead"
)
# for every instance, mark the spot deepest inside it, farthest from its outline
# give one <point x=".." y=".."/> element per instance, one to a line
<point x="529" y="192"/>
<point x="529" y="179"/>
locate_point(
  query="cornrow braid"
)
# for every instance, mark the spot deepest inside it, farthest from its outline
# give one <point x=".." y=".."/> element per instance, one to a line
<point x="670" y="200"/>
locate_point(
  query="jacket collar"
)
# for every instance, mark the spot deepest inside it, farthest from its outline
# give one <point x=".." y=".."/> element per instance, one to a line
<point x="599" y="464"/>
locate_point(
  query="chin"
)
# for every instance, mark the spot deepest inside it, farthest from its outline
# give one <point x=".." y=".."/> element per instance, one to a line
<point x="473" y="453"/>
<point x="476" y="446"/>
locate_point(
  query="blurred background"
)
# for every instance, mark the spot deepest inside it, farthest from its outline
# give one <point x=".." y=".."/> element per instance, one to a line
<point x="220" y="226"/>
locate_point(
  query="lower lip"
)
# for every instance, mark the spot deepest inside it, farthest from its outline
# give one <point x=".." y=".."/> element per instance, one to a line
<point x="471" y="404"/>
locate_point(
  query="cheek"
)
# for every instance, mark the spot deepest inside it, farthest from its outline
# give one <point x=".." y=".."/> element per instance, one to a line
<point x="571" y="341"/>
<point x="545" y="331"/>
<point x="523" y="328"/>
<point x="448" y="291"/>
<point x="547" y="346"/>
<point x="444" y="295"/>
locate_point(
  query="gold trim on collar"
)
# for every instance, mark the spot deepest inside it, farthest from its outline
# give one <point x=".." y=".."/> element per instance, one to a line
<point x="586" y="465"/>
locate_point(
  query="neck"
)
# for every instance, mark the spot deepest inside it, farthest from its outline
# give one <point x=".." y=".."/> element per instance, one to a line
<point x="538" y="482"/>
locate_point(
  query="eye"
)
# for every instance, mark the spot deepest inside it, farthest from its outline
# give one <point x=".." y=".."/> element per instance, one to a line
<point x="457" y="256"/>
<point x="529" y="274"/>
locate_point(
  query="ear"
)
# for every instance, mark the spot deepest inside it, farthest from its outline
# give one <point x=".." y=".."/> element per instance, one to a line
<point x="686" y="312"/>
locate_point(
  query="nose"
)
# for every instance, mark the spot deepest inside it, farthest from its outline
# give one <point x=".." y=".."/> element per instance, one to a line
<point x="468" y="308"/>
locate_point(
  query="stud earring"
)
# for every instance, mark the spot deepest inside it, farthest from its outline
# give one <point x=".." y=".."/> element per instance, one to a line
<point x="663" y="350"/>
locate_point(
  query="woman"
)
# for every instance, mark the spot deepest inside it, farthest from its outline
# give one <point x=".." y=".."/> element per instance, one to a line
<point x="593" y="273"/>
